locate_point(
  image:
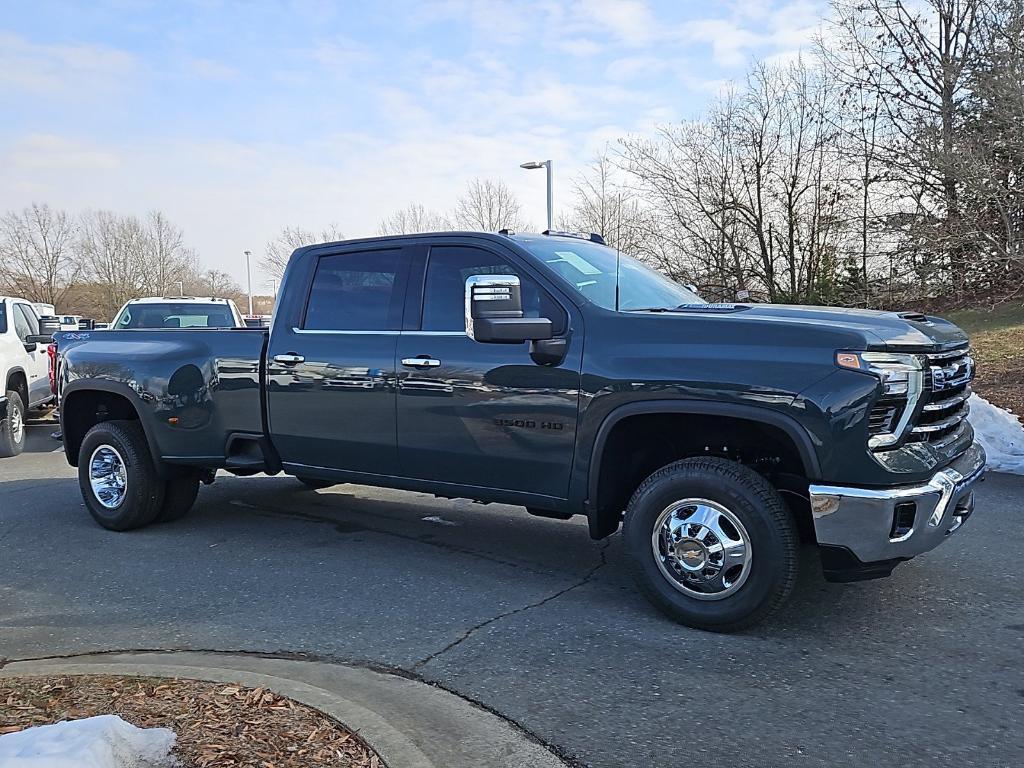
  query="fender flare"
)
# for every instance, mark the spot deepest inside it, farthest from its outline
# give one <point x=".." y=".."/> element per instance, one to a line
<point x="10" y="372"/>
<point x="115" y="388"/>
<point x="789" y="426"/>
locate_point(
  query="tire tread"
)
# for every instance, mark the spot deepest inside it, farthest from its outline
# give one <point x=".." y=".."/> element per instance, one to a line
<point x="767" y="498"/>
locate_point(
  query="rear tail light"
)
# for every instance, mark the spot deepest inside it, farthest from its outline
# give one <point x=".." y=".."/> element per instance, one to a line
<point x="51" y="353"/>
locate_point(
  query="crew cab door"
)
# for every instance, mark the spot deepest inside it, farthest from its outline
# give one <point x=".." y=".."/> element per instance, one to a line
<point x="34" y="362"/>
<point x="331" y="362"/>
<point x="476" y="414"/>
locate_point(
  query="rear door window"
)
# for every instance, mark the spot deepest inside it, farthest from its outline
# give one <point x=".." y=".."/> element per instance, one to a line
<point x="358" y="291"/>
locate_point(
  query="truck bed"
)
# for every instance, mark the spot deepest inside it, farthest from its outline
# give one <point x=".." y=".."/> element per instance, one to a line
<point x="192" y="388"/>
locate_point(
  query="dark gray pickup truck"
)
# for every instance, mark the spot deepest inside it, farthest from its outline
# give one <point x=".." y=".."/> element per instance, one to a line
<point x="551" y="372"/>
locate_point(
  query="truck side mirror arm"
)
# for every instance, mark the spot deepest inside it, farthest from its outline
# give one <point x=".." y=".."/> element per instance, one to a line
<point x="494" y="312"/>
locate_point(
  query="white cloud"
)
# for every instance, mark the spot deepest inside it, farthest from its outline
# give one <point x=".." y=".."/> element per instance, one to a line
<point x="209" y="69"/>
<point x="46" y="151"/>
<point x="629" y="21"/>
<point x="578" y="46"/>
<point x="632" y="67"/>
<point x="74" y="71"/>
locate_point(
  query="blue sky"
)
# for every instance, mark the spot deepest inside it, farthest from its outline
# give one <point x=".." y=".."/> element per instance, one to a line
<point x="236" y="119"/>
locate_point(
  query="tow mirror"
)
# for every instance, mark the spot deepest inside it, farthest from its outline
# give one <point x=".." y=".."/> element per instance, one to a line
<point x="494" y="312"/>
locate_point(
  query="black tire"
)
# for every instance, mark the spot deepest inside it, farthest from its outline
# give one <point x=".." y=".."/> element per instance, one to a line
<point x="11" y="444"/>
<point x="315" y="484"/>
<point x="179" y="497"/>
<point x="143" y="488"/>
<point x="770" y="528"/>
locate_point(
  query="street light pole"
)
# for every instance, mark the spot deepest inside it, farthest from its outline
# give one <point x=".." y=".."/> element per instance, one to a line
<point x="551" y="203"/>
<point x="547" y="165"/>
<point x="248" y="277"/>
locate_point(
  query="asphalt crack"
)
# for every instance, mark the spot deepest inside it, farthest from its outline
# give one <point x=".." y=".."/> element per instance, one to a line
<point x="602" y="561"/>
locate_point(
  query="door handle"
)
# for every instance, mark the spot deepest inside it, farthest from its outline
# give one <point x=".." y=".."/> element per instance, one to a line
<point x="421" y="362"/>
<point x="289" y="359"/>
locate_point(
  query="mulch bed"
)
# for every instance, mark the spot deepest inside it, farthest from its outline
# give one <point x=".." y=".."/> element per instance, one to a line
<point x="216" y="724"/>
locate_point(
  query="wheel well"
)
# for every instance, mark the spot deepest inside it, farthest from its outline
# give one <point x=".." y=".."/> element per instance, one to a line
<point x="638" y="445"/>
<point x="18" y="382"/>
<point x="90" y="408"/>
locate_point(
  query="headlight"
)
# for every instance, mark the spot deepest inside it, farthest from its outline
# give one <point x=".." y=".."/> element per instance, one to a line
<point x="901" y="377"/>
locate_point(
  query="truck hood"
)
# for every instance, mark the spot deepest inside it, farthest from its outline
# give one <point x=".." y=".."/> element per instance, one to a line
<point x="910" y="331"/>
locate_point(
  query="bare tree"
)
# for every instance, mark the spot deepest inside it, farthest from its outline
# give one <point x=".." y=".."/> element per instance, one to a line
<point x="38" y="256"/>
<point x="167" y="259"/>
<point x="114" y="249"/>
<point x="488" y="206"/>
<point x="280" y="249"/>
<point x="215" y="282"/>
<point x="603" y="204"/>
<point x="412" y="219"/>
<point x="990" y="158"/>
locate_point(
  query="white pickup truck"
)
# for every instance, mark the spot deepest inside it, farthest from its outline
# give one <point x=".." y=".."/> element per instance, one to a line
<point x="24" y="369"/>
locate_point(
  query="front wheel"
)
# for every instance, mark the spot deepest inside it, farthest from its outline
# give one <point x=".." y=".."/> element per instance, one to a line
<point x="711" y="544"/>
<point x="117" y="477"/>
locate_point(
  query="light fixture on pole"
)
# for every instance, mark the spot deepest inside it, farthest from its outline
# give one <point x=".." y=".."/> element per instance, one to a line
<point x="533" y="165"/>
<point x="248" y="277"/>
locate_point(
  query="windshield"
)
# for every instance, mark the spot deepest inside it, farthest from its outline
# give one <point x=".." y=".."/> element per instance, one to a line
<point x="591" y="268"/>
<point x="172" y="315"/>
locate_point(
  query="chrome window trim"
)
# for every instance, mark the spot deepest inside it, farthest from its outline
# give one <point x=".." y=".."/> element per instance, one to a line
<point x="331" y="332"/>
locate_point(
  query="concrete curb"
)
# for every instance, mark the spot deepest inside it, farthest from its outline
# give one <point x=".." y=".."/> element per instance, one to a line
<point x="410" y="724"/>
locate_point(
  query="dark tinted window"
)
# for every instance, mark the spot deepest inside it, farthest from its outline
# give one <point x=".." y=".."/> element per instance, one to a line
<point x="444" y="295"/>
<point x="175" y="315"/>
<point x="358" y="291"/>
<point x="3" y="317"/>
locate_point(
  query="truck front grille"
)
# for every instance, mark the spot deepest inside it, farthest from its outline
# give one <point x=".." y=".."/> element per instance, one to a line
<point x="947" y="385"/>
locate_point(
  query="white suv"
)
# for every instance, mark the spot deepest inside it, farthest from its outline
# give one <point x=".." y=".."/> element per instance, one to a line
<point x="24" y="368"/>
<point x="178" y="312"/>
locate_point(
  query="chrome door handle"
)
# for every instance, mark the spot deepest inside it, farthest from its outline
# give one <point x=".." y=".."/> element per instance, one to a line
<point x="421" y="362"/>
<point x="289" y="359"/>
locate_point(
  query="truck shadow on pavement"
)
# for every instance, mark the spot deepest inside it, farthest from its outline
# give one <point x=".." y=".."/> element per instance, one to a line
<point x="508" y="536"/>
<point x="414" y="537"/>
<point x="38" y="431"/>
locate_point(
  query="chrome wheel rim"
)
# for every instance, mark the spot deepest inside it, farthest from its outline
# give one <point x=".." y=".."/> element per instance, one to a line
<point x="17" y="424"/>
<point x="701" y="548"/>
<point x="107" y="476"/>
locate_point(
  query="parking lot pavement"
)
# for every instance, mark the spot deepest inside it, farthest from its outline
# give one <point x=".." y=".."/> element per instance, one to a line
<point x="534" y="620"/>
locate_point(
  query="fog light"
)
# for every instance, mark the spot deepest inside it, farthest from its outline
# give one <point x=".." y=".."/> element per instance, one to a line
<point x="903" y="517"/>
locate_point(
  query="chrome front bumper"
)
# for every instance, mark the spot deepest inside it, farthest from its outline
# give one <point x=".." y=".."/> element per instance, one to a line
<point x="866" y="521"/>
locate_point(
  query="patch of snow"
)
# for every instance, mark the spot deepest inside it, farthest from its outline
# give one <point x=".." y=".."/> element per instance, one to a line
<point x="439" y="520"/>
<point x="105" y="741"/>
<point x="1001" y="435"/>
